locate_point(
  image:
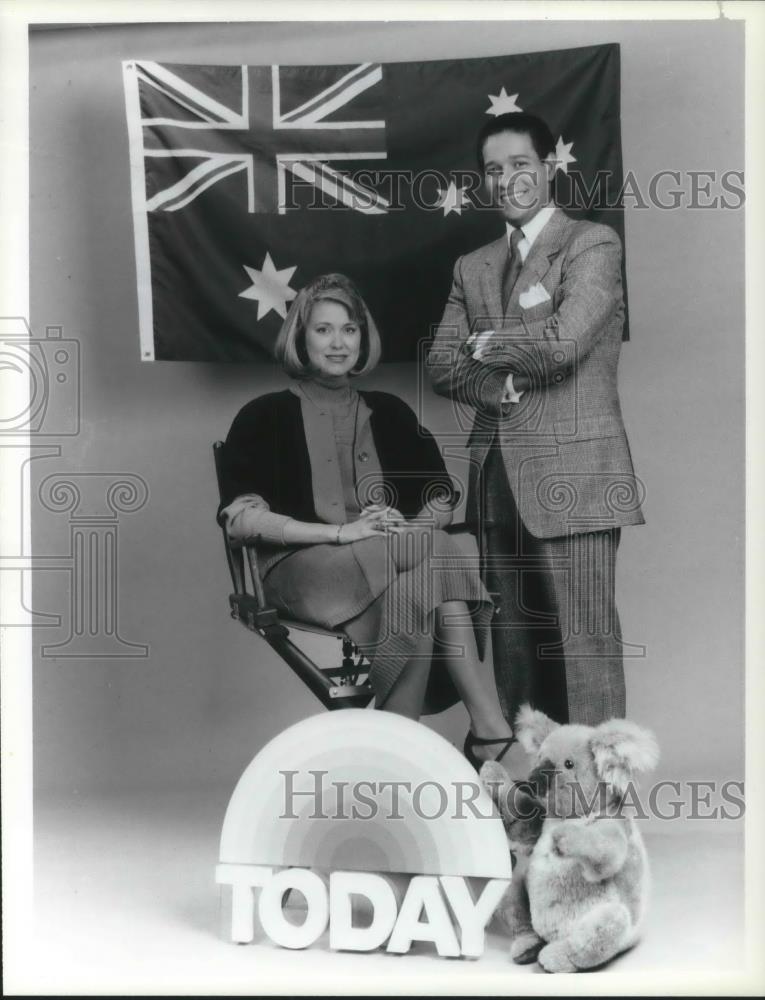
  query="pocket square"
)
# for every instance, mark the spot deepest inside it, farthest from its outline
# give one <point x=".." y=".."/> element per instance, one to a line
<point x="533" y="296"/>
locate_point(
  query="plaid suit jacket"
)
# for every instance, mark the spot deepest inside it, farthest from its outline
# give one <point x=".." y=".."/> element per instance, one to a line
<point x="564" y="445"/>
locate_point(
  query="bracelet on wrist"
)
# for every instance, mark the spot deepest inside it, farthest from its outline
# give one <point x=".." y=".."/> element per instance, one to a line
<point x="337" y="536"/>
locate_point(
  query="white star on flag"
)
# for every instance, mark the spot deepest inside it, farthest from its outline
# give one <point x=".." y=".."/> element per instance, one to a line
<point x="563" y="155"/>
<point x="270" y="287"/>
<point x="502" y="103"/>
<point x="453" y="199"/>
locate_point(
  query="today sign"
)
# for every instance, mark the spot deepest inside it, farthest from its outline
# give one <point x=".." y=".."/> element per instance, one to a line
<point x="315" y="814"/>
<point x="437" y="909"/>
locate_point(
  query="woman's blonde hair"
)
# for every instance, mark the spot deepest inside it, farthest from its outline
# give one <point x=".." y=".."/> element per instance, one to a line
<point x="290" y="350"/>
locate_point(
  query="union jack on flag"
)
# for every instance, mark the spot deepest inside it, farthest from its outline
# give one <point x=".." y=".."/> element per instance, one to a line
<point x="248" y="181"/>
<point x="211" y="136"/>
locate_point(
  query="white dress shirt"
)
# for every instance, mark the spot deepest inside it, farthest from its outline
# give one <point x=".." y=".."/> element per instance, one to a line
<point x="530" y="230"/>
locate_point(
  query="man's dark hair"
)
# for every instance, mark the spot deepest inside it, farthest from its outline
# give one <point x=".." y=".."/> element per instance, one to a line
<point x="517" y="121"/>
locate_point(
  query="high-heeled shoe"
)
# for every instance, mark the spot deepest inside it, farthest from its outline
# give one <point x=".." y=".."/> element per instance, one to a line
<point x="477" y="741"/>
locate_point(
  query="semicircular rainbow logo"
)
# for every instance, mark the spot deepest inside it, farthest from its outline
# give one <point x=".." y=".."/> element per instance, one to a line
<point x="321" y="795"/>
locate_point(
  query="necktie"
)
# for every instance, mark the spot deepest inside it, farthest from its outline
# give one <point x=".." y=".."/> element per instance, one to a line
<point x="512" y="267"/>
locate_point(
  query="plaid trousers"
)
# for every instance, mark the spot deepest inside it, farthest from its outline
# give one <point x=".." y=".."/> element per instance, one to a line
<point x="556" y="636"/>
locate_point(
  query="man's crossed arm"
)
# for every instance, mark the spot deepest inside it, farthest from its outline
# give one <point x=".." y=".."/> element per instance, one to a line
<point x="472" y="365"/>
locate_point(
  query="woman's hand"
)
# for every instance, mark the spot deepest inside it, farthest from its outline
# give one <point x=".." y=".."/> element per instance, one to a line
<point x="373" y="521"/>
<point x="389" y="514"/>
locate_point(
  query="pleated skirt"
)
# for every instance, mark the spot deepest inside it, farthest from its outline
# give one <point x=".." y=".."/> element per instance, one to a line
<point x="383" y="591"/>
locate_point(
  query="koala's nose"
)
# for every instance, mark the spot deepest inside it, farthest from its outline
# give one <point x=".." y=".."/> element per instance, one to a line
<point x="541" y="777"/>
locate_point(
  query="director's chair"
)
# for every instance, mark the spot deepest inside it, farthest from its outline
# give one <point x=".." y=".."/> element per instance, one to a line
<point x="343" y="686"/>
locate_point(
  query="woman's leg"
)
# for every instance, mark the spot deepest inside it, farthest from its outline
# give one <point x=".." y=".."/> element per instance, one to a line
<point x="407" y="695"/>
<point x="457" y="648"/>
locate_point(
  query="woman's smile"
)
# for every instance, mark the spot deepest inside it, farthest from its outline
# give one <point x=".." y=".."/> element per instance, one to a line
<point x="332" y="339"/>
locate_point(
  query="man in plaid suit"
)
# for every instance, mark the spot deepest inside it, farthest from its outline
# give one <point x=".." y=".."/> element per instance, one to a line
<point x="530" y="338"/>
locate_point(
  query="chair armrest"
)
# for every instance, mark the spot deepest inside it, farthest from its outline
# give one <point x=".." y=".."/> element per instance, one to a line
<point x="257" y="584"/>
<point x="459" y="528"/>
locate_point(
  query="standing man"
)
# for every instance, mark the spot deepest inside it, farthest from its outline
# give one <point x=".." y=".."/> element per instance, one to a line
<point x="530" y="338"/>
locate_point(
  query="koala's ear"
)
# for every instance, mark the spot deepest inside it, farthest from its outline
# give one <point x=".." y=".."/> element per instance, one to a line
<point x="532" y="728"/>
<point x="620" y="748"/>
<point x="495" y="780"/>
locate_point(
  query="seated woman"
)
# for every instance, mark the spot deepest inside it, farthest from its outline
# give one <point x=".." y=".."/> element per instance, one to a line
<point x="340" y="490"/>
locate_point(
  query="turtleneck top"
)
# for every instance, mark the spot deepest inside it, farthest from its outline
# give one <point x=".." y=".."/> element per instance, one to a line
<point x="349" y="450"/>
<point x="342" y="402"/>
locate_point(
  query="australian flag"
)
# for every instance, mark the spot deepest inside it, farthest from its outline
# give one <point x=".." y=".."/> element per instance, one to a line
<point x="249" y="181"/>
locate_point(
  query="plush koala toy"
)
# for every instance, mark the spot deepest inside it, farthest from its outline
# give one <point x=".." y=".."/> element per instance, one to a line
<point x="578" y="899"/>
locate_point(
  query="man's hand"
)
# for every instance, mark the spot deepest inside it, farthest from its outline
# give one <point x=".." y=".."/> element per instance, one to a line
<point x="478" y="343"/>
<point x="512" y="392"/>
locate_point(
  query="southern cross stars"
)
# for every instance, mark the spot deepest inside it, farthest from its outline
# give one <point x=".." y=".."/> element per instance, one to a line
<point x="270" y="287"/>
<point x="502" y="103"/>
<point x="453" y="199"/>
<point x="563" y="155"/>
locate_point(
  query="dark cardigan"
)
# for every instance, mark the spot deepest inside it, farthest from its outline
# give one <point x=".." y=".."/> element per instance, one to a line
<point x="266" y="453"/>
